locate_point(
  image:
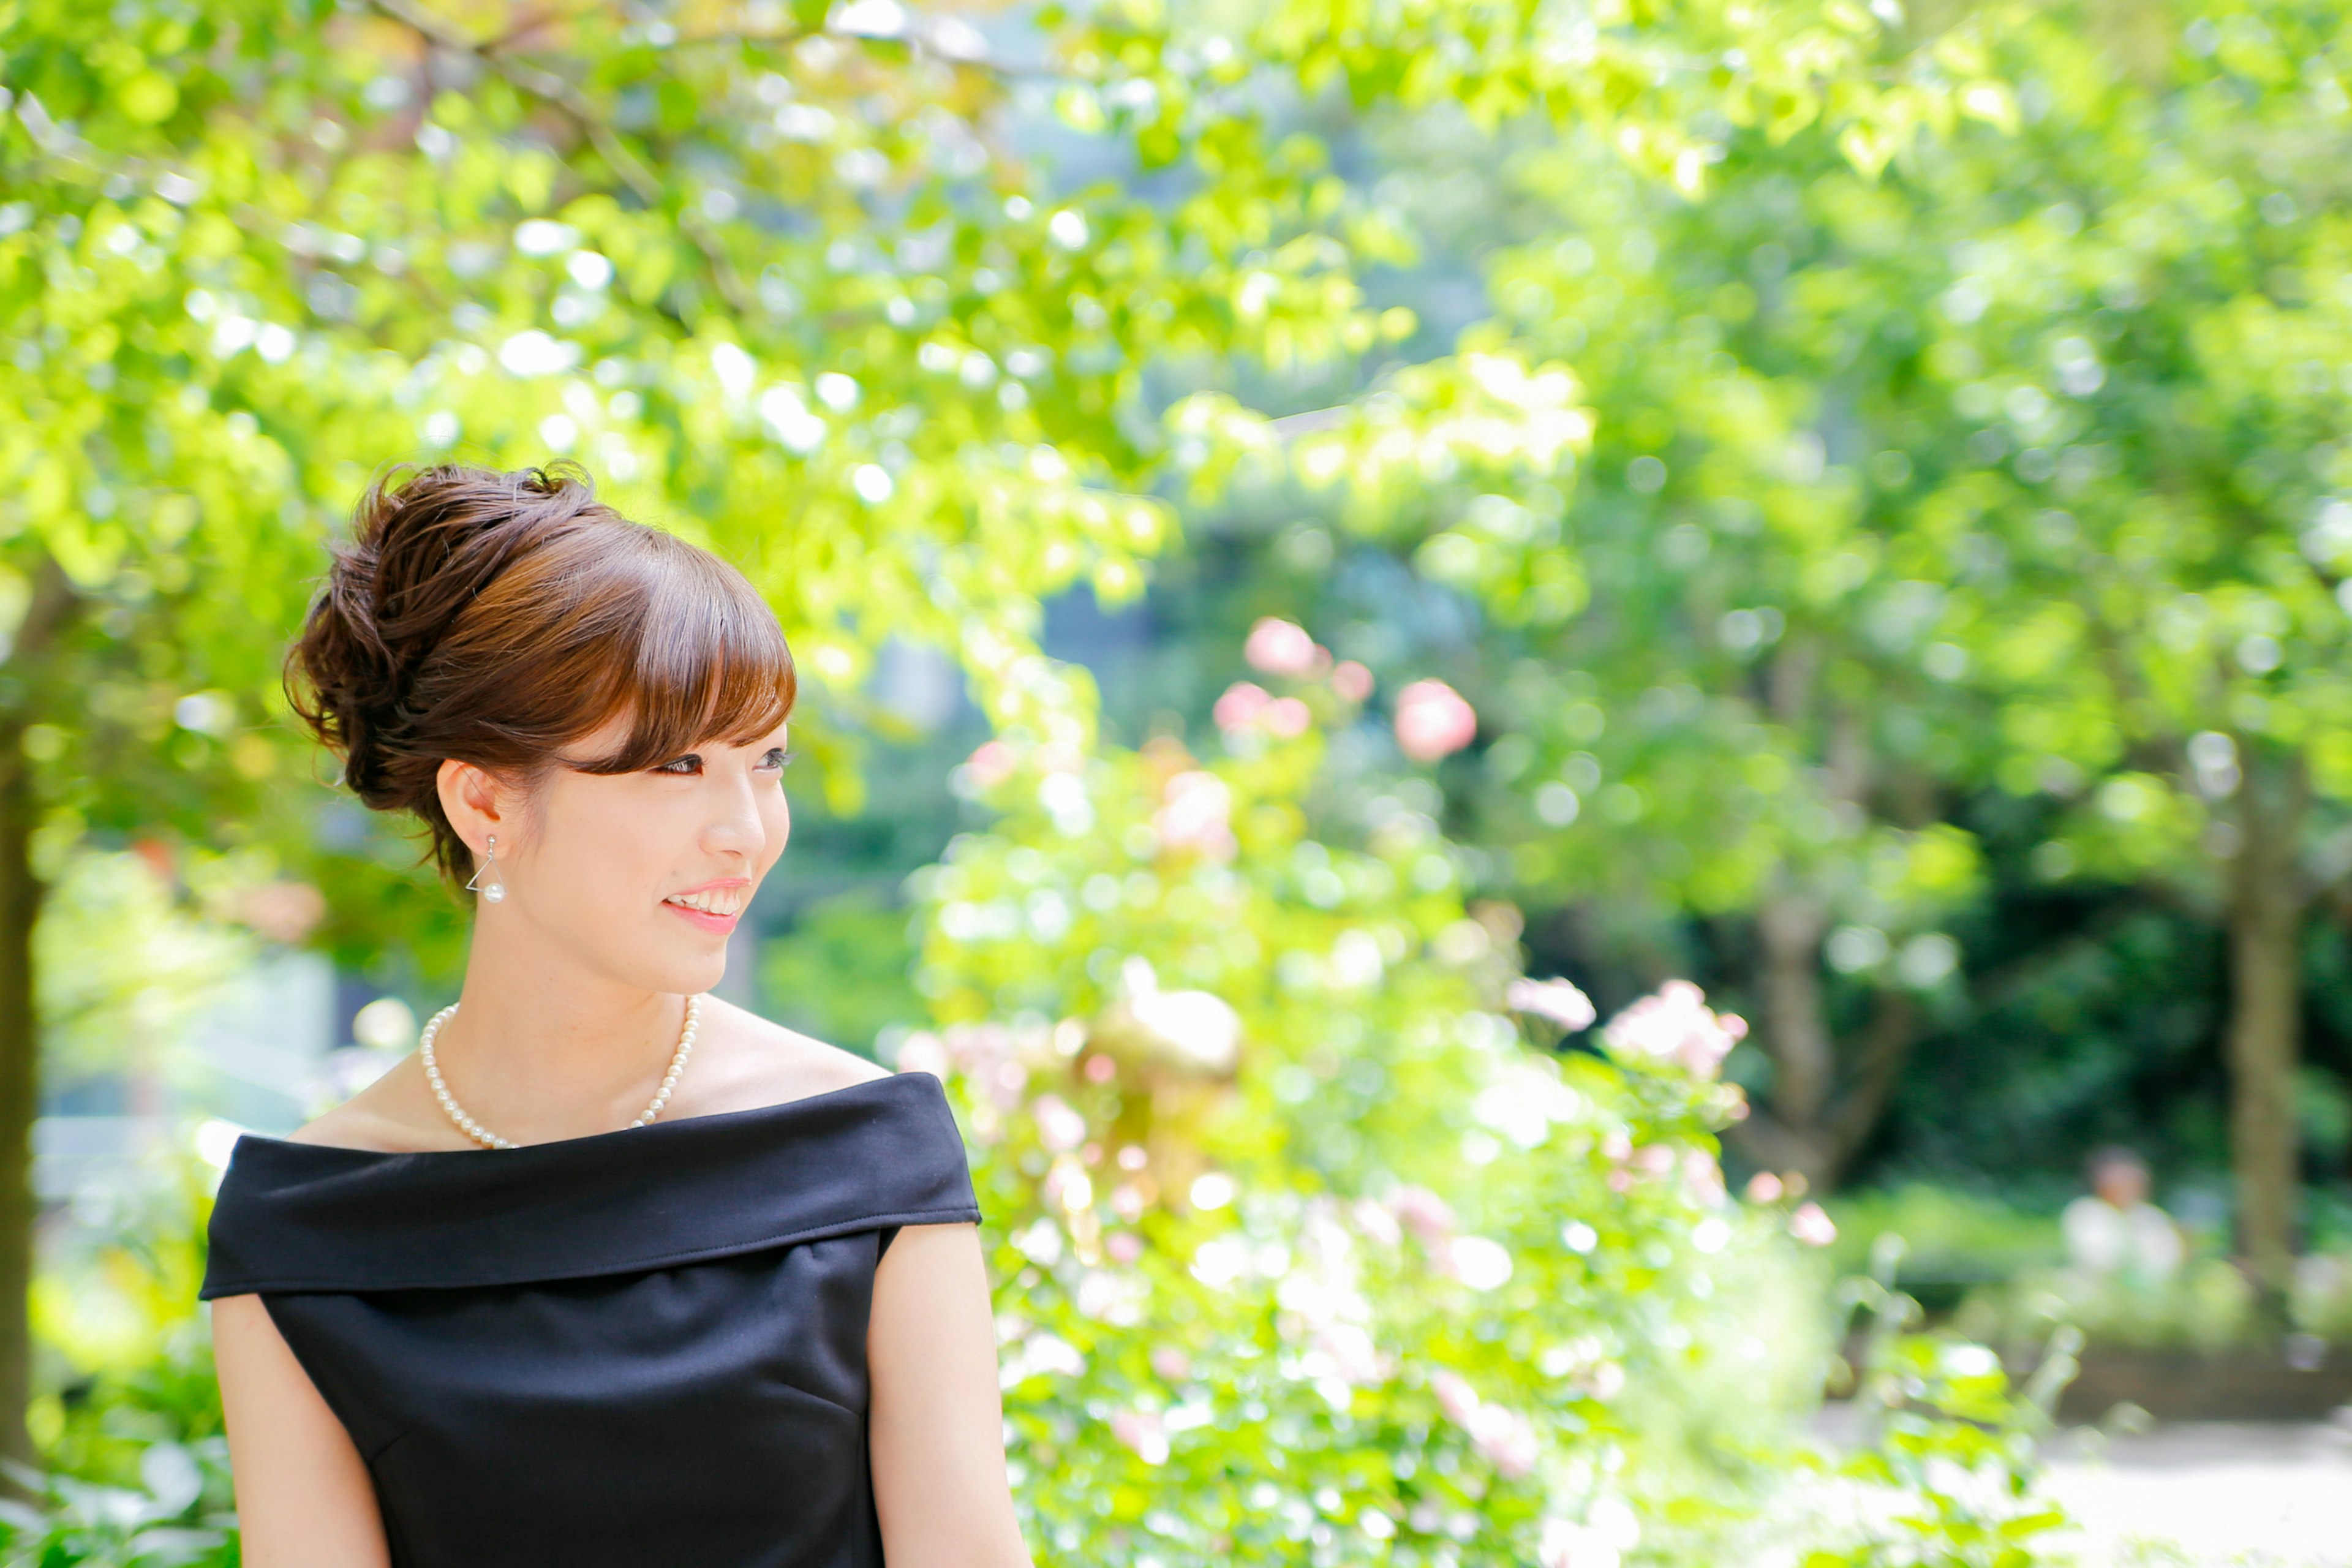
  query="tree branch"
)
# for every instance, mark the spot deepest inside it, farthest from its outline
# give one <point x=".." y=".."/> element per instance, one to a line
<point x="1885" y="1046"/>
<point x="627" y="167"/>
<point x="53" y="606"/>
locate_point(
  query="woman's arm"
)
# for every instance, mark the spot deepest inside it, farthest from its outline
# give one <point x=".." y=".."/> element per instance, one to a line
<point x="936" y="1422"/>
<point x="303" y="1497"/>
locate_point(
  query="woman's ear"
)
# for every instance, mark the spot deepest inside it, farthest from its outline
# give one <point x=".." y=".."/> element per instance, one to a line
<point x="475" y="802"/>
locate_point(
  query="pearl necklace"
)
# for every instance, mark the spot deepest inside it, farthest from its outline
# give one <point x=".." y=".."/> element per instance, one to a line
<point x="489" y="1139"/>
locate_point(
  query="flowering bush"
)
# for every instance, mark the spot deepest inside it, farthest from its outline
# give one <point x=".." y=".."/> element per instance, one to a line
<point x="1312" y="1248"/>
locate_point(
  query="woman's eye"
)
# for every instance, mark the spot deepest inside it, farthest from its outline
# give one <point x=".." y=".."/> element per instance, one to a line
<point x="681" y="767"/>
<point x="777" y="758"/>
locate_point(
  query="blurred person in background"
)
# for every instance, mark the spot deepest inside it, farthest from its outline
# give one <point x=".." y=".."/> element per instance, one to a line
<point x="609" y="1272"/>
<point x="2113" y="1232"/>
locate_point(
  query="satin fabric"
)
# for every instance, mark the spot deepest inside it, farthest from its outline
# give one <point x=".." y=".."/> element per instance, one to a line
<point x="644" y="1347"/>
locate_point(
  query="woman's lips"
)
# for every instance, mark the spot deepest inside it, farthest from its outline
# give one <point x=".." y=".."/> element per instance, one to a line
<point x="703" y="920"/>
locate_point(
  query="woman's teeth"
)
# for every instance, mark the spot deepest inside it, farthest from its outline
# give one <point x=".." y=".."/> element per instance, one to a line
<point x="718" y="901"/>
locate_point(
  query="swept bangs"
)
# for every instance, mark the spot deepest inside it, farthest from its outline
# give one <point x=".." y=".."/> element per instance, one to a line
<point x="704" y="660"/>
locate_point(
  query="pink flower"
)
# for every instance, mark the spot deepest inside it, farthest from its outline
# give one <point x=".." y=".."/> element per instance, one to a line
<point x="1455" y="1397"/>
<point x="1506" y="1437"/>
<point x="923" y="1051"/>
<point x="1557" y="1000"/>
<point x="1124" y="1245"/>
<point x="1609" y="1533"/>
<point x="1141" y="1430"/>
<point x="1245" y="706"/>
<point x="1241" y="706"/>
<point x="1675" y="1024"/>
<point x="1377" y="1222"/>
<point x="1005" y="1082"/>
<point x="1283" y="648"/>
<point x="1811" y="1227"/>
<point x="1433" y="721"/>
<point x="282" y="911"/>
<point x="992" y="763"/>
<point x="1425" y="1213"/>
<point x="1171" y="1364"/>
<point x="1351" y="681"/>
<point x="1195" y="812"/>
<point x="1059" y="1127"/>
<point x="1764" y="1187"/>
<point x="1702" y="1177"/>
<point x="1566" y="1545"/>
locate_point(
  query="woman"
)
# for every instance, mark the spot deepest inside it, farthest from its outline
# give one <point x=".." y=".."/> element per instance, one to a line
<point x="609" y="1271"/>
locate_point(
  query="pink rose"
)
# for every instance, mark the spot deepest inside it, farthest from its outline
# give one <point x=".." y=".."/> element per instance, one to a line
<point x="1243" y="705"/>
<point x="1557" y="1000"/>
<point x="1283" y="648"/>
<point x="1675" y="1024"/>
<point x="1288" y="717"/>
<point x="1059" y="1127"/>
<point x="1433" y="721"/>
<point x="1195" y="813"/>
<point x="1142" y="1431"/>
<point x="1425" y="1213"/>
<point x="991" y="763"/>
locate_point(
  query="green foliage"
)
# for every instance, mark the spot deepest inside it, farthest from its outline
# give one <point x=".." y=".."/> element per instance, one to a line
<point x="2208" y="1308"/>
<point x="137" y="1464"/>
<point x="131" y="962"/>
<point x="160" y="1521"/>
<point x="1947" y="1440"/>
<point x="841" y="974"/>
<point x="1948" y="1236"/>
<point x="792" y="288"/>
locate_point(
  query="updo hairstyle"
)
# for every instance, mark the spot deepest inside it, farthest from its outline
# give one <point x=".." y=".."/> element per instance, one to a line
<point x="500" y="617"/>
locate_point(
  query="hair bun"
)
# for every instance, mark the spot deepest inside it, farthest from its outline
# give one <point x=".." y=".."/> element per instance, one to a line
<point x="426" y="543"/>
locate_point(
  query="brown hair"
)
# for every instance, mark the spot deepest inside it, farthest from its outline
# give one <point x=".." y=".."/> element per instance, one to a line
<point x="498" y="617"/>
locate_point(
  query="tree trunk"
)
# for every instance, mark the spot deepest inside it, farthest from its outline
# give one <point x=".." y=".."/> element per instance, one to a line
<point x="27" y="678"/>
<point x="2265" y="1025"/>
<point x="1812" y="1124"/>
<point x="1789" y="1135"/>
<point x="20" y="900"/>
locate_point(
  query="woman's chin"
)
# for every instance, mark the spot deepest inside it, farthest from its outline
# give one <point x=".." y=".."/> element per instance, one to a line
<point x="678" y="965"/>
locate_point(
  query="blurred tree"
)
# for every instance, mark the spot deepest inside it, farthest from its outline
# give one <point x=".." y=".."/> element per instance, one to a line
<point x="2022" y="467"/>
<point x="787" y="274"/>
<point x="2018" y="471"/>
<point x="2136" y="385"/>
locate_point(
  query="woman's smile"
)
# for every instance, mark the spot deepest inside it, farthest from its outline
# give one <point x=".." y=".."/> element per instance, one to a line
<point x="714" y="906"/>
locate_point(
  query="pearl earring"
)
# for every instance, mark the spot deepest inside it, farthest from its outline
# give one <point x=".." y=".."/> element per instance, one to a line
<point x="494" y="890"/>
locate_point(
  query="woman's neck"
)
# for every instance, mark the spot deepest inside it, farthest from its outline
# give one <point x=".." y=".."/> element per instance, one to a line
<point x="543" y="1047"/>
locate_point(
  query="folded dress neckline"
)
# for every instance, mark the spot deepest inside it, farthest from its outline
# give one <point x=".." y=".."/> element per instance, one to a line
<point x="314" y="1217"/>
<point x="665" y="1127"/>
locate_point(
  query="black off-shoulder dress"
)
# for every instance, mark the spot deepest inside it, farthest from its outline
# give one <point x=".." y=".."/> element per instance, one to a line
<point x="644" y="1349"/>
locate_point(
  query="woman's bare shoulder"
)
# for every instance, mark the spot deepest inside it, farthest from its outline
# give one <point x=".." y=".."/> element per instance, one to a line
<point x="393" y="1115"/>
<point x="759" y="1063"/>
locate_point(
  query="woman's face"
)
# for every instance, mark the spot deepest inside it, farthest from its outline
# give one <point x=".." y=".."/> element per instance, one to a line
<point x="642" y="876"/>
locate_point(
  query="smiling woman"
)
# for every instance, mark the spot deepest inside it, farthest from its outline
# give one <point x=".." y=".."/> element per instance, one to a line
<point x="610" y="1272"/>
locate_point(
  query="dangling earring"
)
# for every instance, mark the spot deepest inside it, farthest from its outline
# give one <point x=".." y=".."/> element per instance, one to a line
<point x="494" y="890"/>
